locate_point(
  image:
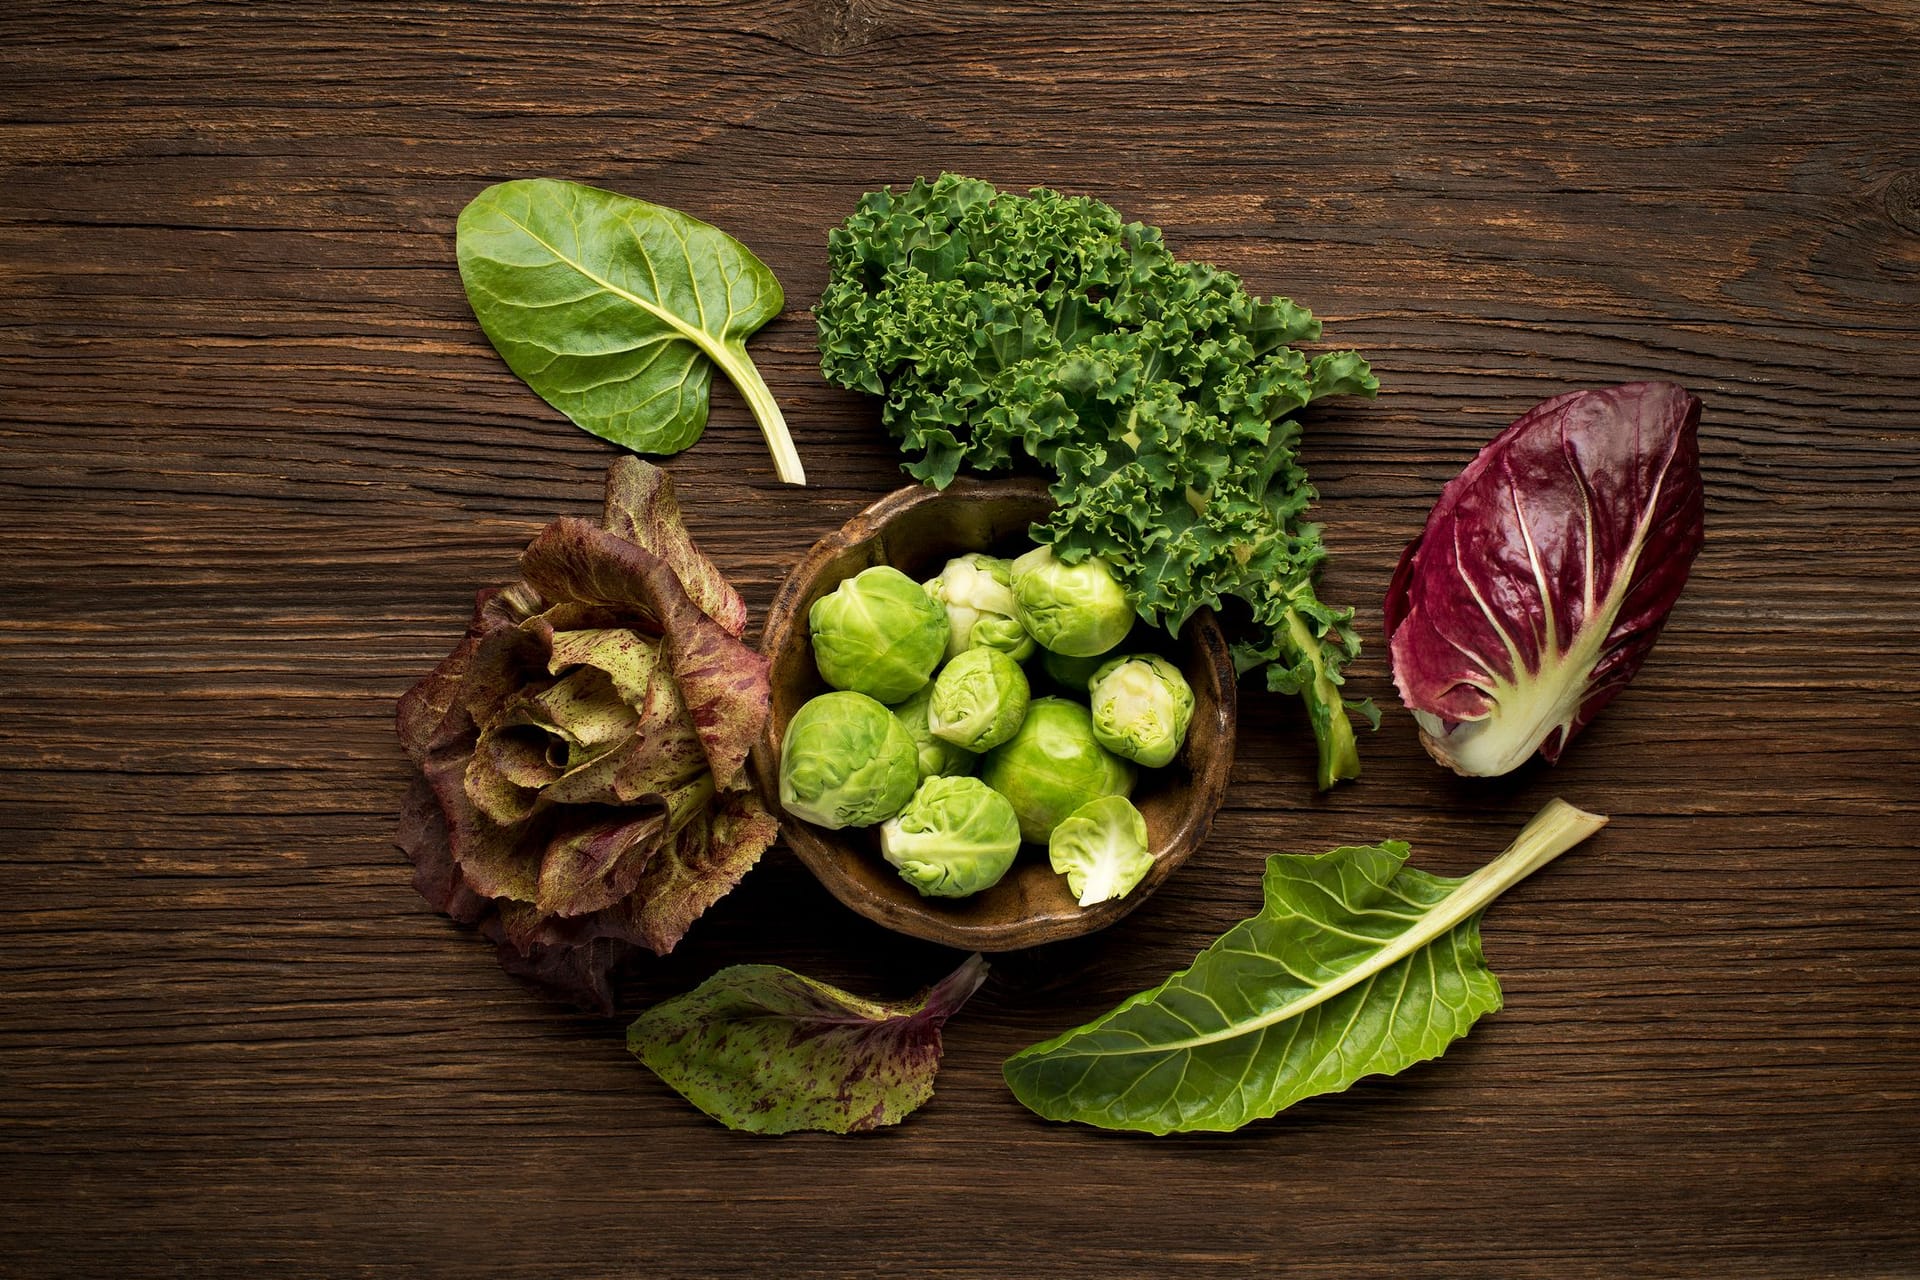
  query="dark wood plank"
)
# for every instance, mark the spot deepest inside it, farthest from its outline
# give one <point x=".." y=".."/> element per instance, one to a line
<point x="255" y="457"/>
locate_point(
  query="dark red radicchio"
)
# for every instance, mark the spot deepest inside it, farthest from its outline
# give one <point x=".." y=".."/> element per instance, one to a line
<point x="1545" y="573"/>
<point x="582" y="752"/>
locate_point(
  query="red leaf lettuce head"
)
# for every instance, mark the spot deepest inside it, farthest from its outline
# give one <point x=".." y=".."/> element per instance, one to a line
<point x="1545" y="572"/>
<point x="582" y="752"/>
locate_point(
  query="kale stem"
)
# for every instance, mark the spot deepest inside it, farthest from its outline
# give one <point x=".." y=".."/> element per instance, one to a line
<point x="1326" y="711"/>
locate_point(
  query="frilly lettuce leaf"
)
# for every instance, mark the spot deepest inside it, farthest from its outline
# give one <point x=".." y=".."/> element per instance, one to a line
<point x="582" y="751"/>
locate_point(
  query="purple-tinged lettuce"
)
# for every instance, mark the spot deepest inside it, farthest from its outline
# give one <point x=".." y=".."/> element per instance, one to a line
<point x="765" y="1049"/>
<point x="1545" y="573"/>
<point x="582" y="752"/>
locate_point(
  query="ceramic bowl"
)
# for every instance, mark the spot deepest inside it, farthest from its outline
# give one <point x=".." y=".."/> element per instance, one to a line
<point x="917" y="530"/>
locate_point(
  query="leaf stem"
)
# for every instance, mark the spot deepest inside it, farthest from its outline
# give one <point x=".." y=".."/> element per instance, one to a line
<point x="1326" y="712"/>
<point x="766" y="411"/>
<point x="1554" y="830"/>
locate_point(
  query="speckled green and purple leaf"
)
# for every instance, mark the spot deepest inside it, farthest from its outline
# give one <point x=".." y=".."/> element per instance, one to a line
<point x="723" y="683"/>
<point x="641" y="508"/>
<point x="762" y="1048"/>
<point x="583" y="748"/>
<point x="712" y="852"/>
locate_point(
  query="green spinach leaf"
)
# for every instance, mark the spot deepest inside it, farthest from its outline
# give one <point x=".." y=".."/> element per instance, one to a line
<point x="616" y="311"/>
<point x="763" y="1048"/>
<point x="1357" y="965"/>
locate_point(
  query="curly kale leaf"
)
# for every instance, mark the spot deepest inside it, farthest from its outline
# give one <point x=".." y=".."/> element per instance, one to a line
<point x="1159" y="394"/>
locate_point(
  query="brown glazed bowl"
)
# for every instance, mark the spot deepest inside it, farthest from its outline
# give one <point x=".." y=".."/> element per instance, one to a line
<point x="917" y="530"/>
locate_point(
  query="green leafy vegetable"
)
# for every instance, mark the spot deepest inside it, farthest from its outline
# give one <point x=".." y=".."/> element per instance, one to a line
<point x="1141" y="708"/>
<point x="938" y="758"/>
<point x="981" y="613"/>
<point x="762" y="1048"/>
<point x="846" y="761"/>
<point x="616" y="311"/>
<point x="956" y="837"/>
<point x="979" y="700"/>
<point x="1358" y="965"/>
<point x="1052" y="766"/>
<point x="1078" y="609"/>
<point x="878" y="633"/>
<point x="1159" y="393"/>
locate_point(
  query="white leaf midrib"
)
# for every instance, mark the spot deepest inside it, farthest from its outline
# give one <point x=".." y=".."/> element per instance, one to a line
<point x="711" y="345"/>
<point x="1557" y="828"/>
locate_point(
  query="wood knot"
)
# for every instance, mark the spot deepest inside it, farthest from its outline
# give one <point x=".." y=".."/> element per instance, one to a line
<point x="837" y="27"/>
<point x="1902" y="201"/>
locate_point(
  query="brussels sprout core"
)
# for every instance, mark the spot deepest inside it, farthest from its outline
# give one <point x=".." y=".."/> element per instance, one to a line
<point x="974" y="589"/>
<point x="1141" y="708"/>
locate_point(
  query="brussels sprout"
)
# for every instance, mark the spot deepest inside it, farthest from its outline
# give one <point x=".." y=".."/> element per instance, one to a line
<point x="1075" y="609"/>
<point x="979" y="700"/>
<point x="1071" y="673"/>
<point x="879" y="634"/>
<point x="938" y="757"/>
<point x="846" y="762"/>
<point x="956" y="836"/>
<point x="1004" y="634"/>
<point x="1053" y="766"/>
<point x="974" y="589"/>
<point x="1101" y="848"/>
<point x="1141" y="708"/>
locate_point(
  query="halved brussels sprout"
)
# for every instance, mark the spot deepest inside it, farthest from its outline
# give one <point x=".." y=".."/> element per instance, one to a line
<point x="938" y="757"/>
<point x="1053" y="766"/>
<point x="974" y="589"/>
<point x="979" y="700"/>
<point x="1075" y="609"/>
<point x="846" y="762"/>
<point x="956" y="837"/>
<point x="878" y="633"/>
<point x="1141" y="708"/>
<point x="1101" y="848"/>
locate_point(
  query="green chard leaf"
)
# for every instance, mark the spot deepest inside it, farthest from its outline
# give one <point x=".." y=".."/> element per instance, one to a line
<point x="1159" y="393"/>
<point x="616" y="311"/>
<point x="1357" y="965"/>
<point x="765" y="1049"/>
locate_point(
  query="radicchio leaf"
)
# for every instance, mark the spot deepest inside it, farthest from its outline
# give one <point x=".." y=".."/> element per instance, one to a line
<point x="762" y="1048"/>
<point x="582" y="749"/>
<point x="1545" y="573"/>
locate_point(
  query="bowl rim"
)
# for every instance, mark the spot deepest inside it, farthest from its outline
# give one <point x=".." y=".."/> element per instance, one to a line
<point x="824" y="857"/>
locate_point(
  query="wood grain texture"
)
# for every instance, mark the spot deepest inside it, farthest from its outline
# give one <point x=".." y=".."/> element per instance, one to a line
<point x="257" y="457"/>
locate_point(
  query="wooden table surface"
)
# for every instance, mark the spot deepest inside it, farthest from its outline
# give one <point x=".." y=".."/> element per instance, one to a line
<point x="258" y="456"/>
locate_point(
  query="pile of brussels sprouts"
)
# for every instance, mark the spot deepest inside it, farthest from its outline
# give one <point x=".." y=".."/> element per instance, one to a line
<point x="934" y="733"/>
